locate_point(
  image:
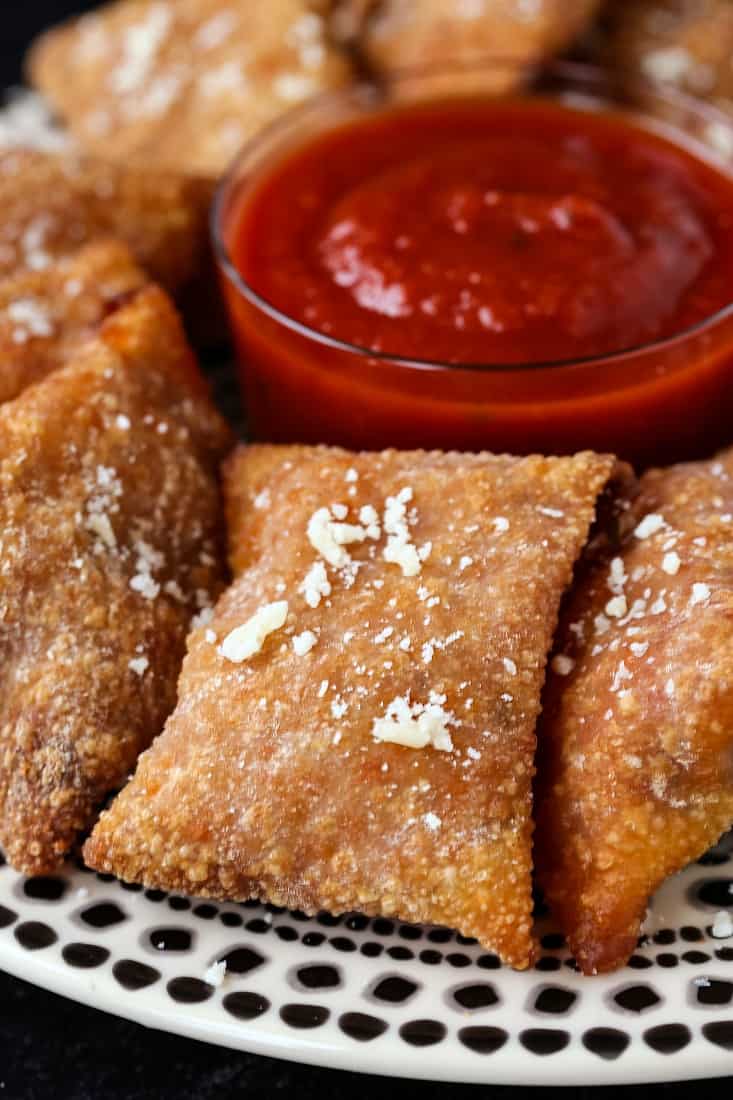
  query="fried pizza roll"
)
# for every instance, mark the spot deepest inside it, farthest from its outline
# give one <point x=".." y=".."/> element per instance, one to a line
<point x="47" y="315"/>
<point x="405" y="33"/>
<point x="181" y="85"/>
<point x="53" y="203"/>
<point x="636" y="741"/>
<point x="355" y="726"/>
<point x="110" y="538"/>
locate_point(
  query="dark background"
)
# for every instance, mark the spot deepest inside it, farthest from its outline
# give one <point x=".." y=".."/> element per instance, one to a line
<point x="52" y="1049"/>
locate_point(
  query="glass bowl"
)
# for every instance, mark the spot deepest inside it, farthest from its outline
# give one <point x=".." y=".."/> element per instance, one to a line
<point x="658" y="402"/>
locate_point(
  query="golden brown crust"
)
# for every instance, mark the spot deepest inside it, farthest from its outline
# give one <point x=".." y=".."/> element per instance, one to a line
<point x="181" y="85"/>
<point x="636" y="742"/>
<point x="109" y="538"/>
<point x="47" y="315"/>
<point x="52" y="203"/>
<point x="268" y="780"/>
<point x="407" y="33"/>
<point x="687" y="43"/>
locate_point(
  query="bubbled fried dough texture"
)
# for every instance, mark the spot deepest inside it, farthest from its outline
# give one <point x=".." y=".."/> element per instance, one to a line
<point x="53" y="203"/>
<point x="47" y="315"/>
<point x="110" y="541"/>
<point x="268" y="781"/>
<point x="636" y="742"/>
<point x="404" y="33"/>
<point x="181" y="84"/>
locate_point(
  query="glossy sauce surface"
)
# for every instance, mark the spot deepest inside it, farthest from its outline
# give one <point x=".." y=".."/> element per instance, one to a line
<point x="490" y="232"/>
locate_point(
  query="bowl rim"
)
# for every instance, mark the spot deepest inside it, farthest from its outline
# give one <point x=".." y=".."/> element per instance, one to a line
<point x="367" y="87"/>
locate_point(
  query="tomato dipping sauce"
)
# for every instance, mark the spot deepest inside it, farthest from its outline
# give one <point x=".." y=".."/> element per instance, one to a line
<point x="509" y="274"/>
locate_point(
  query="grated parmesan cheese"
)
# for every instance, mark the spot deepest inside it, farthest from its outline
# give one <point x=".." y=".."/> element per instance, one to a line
<point x="416" y="725"/>
<point x="303" y="643"/>
<point x="649" y="526"/>
<point x="246" y="640"/>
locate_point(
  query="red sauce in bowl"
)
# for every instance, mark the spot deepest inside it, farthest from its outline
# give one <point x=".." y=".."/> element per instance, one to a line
<point x="486" y="234"/>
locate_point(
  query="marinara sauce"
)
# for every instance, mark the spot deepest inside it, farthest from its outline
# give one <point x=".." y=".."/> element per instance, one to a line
<point x="539" y="262"/>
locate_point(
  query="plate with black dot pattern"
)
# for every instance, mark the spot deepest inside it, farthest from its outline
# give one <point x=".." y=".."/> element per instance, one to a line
<point x="383" y="996"/>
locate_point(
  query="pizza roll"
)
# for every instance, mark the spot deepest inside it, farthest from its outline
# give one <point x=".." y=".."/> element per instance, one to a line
<point x="110" y="538"/>
<point x="636" y="741"/>
<point x="356" y="724"/>
<point x="182" y="85"/>
<point x="47" y="315"/>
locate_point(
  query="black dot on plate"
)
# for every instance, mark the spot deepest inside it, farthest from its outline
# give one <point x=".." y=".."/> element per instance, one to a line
<point x="45" y="887"/>
<point x="245" y="1005"/>
<point x="360" y="1026"/>
<point x="242" y="960"/>
<point x="440" y="935"/>
<point x="479" y="995"/>
<point x="131" y="887"/>
<point x="34" y="936"/>
<point x="205" y="911"/>
<point x="724" y="953"/>
<point x="296" y="914"/>
<point x="356" y="922"/>
<point x="394" y="989"/>
<point x="423" y="1033"/>
<point x="104" y="914"/>
<point x="134" y="975"/>
<point x="178" y="903"/>
<point x="488" y="962"/>
<point x="555" y="999"/>
<point x="548" y="962"/>
<point x="457" y="959"/>
<point x="606" y="1042"/>
<point x="401" y="953"/>
<point x="318" y="977"/>
<point x="637" y="998"/>
<point x="382" y="927"/>
<point x="170" y="939"/>
<point x="155" y="895"/>
<point x="714" y="858"/>
<point x="640" y="962"/>
<point x="104" y="876"/>
<point x="313" y="939"/>
<point x="189" y="991"/>
<point x="666" y="959"/>
<point x="544" y="1040"/>
<point x="259" y="926"/>
<point x="233" y="920"/>
<point x="572" y="965"/>
<point x="2" y="860"/>
<point x="7" y="916"/>
<point x="714" y="992"/>
<point x="84" y="955"/>
<point x="342" y="943"/>
<point x="553" y="941"/>
<point x="720" y="1032"/>
<point x="254" y="903"/>
<point x="276" y="909"/>
<point x="664" y="936"/>
<point x="695" y="957"/>
<point x="717" y="892"/>
<point x="328" y="920"/>
<point x="690" y="934"/>
<point x="286" y="933"/>
<point x="371" y="949"/>
<point x="431" y="957"/>
<point x="667" y="1038"/>
<point x="409" y="932"/>
<point x="483" y="1040"/>
<point x="466" y="941"/>
<point x="304" y="1016"/>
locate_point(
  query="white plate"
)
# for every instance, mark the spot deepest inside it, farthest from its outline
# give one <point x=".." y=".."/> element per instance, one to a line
<point x="383" y="997"/>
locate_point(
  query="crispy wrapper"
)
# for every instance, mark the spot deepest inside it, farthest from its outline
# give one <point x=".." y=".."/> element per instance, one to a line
<point x="182" y="85"/>
<point x="110" y="538"/>
<point x="636" y="741"/>
<point x="47" y="315"/>
<point x="271" y="779"/>
<point x="408" y="33"/>
<point x="52" y="203"/>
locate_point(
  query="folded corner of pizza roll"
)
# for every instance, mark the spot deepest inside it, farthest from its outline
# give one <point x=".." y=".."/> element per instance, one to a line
<point x="111" y="542"/>
<point x="356" y="724"/>
<point x="636" y="741"/>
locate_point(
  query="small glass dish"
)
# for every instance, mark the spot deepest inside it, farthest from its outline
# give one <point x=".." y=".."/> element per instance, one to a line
<point x="661" y="401"/>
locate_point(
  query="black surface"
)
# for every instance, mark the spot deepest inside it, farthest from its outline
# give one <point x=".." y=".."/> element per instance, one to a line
<point x="52" y="1049"/>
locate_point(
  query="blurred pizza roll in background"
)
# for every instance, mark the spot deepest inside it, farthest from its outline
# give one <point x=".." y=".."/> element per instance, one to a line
<point x="111" y="532"/>
<point x="180" y="85"/>
<point x="46" y="315"/>
<point x="635" y="767"/>
<point x="687" y="43"/>
<point x="356" y="723"/>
